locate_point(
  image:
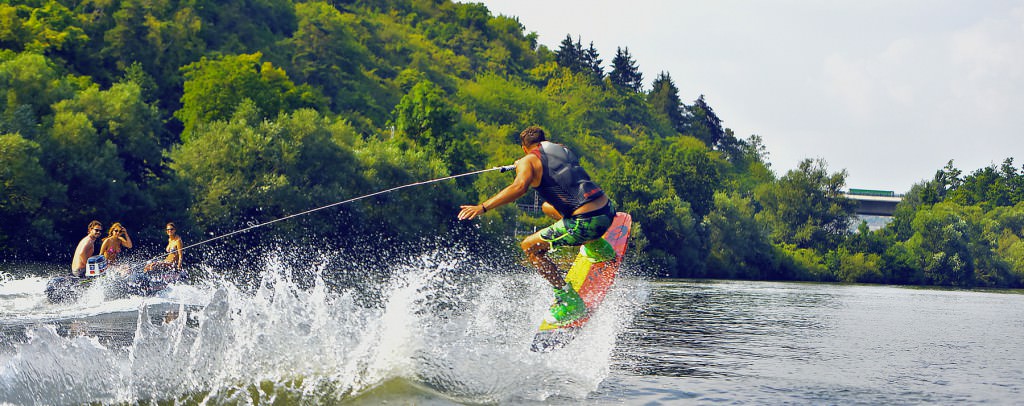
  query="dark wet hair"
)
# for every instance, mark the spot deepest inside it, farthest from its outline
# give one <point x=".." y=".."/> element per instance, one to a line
<point x="531" y="135"/>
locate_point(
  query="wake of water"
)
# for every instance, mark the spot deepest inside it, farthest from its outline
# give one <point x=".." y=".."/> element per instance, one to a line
<point x="441" y="328"/>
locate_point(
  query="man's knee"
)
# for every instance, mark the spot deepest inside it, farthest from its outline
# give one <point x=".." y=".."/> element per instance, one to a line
<point x="533" y="245"/>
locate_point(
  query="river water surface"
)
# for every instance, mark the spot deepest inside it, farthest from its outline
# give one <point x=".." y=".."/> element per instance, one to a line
<point x="435" y="333"/>
<point x="771" y="343"/>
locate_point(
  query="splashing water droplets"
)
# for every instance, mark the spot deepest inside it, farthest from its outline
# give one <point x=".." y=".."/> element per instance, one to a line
<point x="437" y="324"/>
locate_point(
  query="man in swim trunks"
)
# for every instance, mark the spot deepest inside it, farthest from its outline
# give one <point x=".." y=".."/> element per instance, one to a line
<point x="582" y="209"/>
<point x="86" y="248"/>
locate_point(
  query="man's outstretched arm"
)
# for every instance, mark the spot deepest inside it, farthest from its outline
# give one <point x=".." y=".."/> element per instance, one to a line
<point x="525" y="174"/>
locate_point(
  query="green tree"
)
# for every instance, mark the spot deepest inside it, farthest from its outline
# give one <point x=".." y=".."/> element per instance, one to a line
<point x="31" y="84"/>
<point x="120" y="116"/>
<point x="945" y="180"/>
<point x="586" y="61"/>
<point x="903" y="264"/>
<point x="669" y="184"/>
<point x="704" y="124"/>
<point x="79" y="157"/>
<point x="509" y="50"/>
<point x="738" y="245"/>
<point x="900" y="227"/>
<point x="215" y="87"/>
<point x="504" y="101"/>
<point x="748" y="164"/>
<point x="571" y="55"/>
<point x="327" y="54"/>
<point x="245" y="26"/>
<point x="665" y="102"/>
<point x="425" y="116"/>
<point x="989" y="187"/>
<point x="47" y="27"/>
<point x="804" y="264"/>
<point x="683" y="162"/>
<point x="103" y="145"/>
<point x="855" y="267"/>
<point x="592" y="62"/>
<point x="625" y="73"/>
<point x="584" y="105"/>
<point x="942" y="237"/>
<point x="13" y="34"/>
<point x="806" y="207"/>
<point x="1005" y="228"/>
<point x="865" y="240"/>
<point x="26" y="195"/>
<point x="669" y="227"/>
<point x="160" y="37"/>
<point x="251" y="169"/>
<point x="388" y="164"/>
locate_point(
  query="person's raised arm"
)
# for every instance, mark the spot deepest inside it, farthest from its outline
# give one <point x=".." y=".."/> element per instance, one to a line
<point x="526" y="173"/>
<point x="127" y="240"/>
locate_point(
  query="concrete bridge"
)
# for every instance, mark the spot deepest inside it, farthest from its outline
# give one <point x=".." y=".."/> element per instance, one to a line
<point x="874" y="202"/>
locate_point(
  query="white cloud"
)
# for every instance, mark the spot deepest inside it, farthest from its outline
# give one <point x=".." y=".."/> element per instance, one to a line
<point x="989" y="56"/>
<point x="847" y="80"/>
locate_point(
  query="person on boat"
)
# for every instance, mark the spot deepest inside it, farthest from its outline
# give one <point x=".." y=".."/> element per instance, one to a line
<point x="86" y="248"/>
<point x="581" y="208"/>
<point x="174" y="248"/>
<point x="117" y="238"/>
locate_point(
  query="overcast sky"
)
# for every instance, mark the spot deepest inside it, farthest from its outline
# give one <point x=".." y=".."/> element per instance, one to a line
<point x="888" y="90"/>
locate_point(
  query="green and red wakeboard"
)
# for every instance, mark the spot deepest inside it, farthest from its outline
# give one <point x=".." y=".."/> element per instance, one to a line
<point x="592" y="281"/>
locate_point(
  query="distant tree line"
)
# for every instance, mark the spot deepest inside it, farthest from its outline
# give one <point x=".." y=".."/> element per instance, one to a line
<point x="223" y="114"/>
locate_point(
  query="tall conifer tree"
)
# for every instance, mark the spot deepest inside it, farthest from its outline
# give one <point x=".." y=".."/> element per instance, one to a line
<point x="570" y="54"/>
<point x="625" y="72"/>
<point x="664" y="100"/>
<point x="592" y="62"/>
<point x="704" y="123"/>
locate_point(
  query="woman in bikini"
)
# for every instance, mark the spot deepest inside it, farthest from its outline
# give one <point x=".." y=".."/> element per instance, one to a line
<point x="117" y="238"/>
<point x="174" y="247"/>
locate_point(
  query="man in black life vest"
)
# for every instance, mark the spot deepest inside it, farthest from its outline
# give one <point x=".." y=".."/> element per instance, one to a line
<point x="582" y="209"/>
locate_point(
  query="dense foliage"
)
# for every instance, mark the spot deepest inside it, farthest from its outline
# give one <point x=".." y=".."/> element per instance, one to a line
<point x="221" y="114"/>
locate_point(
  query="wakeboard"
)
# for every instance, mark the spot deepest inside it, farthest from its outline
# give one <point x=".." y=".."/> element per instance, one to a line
<point x="592" y="281"/>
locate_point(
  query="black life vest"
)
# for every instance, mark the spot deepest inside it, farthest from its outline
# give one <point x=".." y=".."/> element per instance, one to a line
<point x="564" y="184"/>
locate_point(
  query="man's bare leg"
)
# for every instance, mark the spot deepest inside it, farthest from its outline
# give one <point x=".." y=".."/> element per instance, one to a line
<point x="568" y="304"/>
<point x="536" y="250"/>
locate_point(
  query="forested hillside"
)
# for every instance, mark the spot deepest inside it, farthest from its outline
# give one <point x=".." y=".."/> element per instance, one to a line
<point x="221" y="114"/>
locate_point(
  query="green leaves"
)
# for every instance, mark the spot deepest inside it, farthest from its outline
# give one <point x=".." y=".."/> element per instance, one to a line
<point x="669" y="186"/>
<point x="27" y="192"/>
<point x="326" y="51"/>
<point x="805" y="207"/>
<point x="258" y="170"/>
<point x="504" y="101"/>
<point x="215" y="87"/>
<point x="48" y="28"/>
<point x="738" y="245"/>
<point x="215" y="113"/>
<point x="426" y="117"/>
<point x="31" y="83"/>
<point x="625" y="74"/>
